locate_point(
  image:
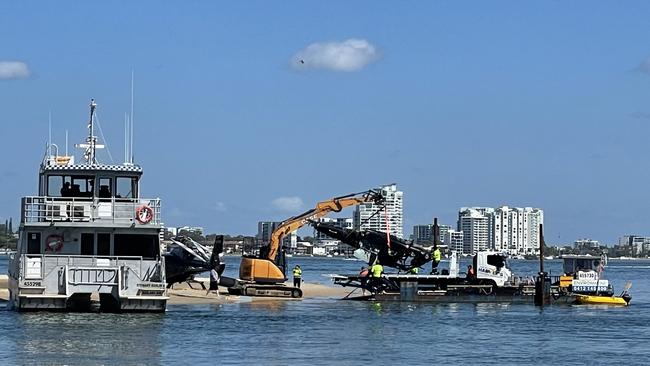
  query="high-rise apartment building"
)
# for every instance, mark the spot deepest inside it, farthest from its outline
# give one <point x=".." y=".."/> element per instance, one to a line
<point x="444" y="229"/>
<point x="516" y="230"/>
<point x="454" y="241"/>
<point x="266" y="228"/>
<point x="510" y="229"/>
<point x="423" y="234"/>
<point x="475" y="225"/>
<point x="264" y="231"/>
<point x="390" y="218"/>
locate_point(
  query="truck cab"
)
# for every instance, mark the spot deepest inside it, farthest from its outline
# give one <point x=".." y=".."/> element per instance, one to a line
<point x="490" y="266"/>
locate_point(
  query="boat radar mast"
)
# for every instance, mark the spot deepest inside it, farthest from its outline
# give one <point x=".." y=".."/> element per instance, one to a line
<point x="91" y="144"/>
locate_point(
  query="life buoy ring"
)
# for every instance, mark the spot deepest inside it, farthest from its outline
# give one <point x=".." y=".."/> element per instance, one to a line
<point x="144" y="214"/>
<point x="53" y="243"/>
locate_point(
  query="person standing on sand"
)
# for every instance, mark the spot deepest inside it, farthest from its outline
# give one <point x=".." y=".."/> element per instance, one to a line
<point x="297" y="276"/>
<point x="214" y="282"/>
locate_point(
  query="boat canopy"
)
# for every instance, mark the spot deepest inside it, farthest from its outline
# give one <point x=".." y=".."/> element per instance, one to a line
<point x="575" y="263"/>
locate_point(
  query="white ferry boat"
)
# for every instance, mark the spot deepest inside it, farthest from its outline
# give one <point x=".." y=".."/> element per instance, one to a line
<point x="88" y="232"/>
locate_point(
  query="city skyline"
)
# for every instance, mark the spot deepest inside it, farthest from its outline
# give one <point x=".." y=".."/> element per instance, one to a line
<point x="461" y="105"/>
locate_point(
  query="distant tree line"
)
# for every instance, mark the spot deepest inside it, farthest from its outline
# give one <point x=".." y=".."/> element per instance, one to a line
<point x="612" y="252"/>
<point x="7" y="235"/>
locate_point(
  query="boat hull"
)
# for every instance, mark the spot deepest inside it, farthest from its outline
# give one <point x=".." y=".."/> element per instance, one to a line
<point x="601" y="300"/>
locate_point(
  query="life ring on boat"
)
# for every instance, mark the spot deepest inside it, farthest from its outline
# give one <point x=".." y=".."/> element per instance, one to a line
<point x="144" y="214"/>
<point x="53" y="243"/>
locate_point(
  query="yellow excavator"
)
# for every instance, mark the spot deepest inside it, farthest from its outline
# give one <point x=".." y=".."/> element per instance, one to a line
<point x="264" y="275"/>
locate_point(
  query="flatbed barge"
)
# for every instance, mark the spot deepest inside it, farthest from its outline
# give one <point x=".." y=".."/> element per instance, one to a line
<point x="446" y="289"/>
<point x="438" y="288"/>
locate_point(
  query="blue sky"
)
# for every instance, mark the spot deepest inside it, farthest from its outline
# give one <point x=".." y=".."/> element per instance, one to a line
<point x="539" y="104"/>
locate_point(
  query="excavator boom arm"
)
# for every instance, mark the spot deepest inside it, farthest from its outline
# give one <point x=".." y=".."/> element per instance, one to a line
<point x="322" y="209"/>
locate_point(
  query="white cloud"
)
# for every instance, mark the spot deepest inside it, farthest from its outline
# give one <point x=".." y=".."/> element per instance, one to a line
<point x="220" y="207"/>
<point x="13" y="70"/>
<point x="350" y="55"/>
<point x="288" y="204"/>
<point x="176" y="212"/>
<point x="644" y="66"/>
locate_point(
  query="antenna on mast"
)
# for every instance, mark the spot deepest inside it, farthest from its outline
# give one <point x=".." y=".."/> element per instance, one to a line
<point x="91" y="144"/>
<point x="49" y="129"/>
<point x="127" y="133"/>
<point x="131" y="119"/>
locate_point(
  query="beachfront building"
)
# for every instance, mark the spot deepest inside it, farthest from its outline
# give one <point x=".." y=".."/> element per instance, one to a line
<point x="510" y="229"/>
<point x="444" y="229"/>
<point x="423" y="234"/>
<point x="475" y="224"/>
<point x="333" y="245"/>
<point x="265" y="230"/>
<point x="340" y="222"/>
<point x="173" y="231"/>
<point x="454" y="241"/>
<point x="367" y="217"/>
<point x="586" y="244"/>
<point x="638" y="244"/>
<point x="516" y="230"/>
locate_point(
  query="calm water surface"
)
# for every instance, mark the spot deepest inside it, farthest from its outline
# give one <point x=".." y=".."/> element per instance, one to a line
<point x="327" y="331"/>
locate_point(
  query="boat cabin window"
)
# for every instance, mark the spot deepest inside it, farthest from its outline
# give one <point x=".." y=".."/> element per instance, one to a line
<point x="33" y="243"/>
<point x="573" y="265"/>
<point x="70" y="186"/>
<point x="105" y="188"/>
<point x="145" y="246"/>
<point x="87" y="244"/>
<point x="103" y="244"/>
<point x="59" y="186"/>
<point x="126" y="187"/>
<point x="82" y="186"/>
<point x="55" y="186"/>
<point x="496" y="260"/>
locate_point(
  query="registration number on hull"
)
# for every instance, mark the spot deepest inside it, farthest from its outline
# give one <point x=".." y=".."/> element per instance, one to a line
<point x="32" y="284"/>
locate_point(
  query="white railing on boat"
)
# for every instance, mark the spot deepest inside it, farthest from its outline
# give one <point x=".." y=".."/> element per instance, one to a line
<point x="142" y="268"/>
<point x="111" y="211"/>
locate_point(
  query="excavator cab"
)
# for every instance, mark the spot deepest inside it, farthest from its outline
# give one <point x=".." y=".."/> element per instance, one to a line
<point x="262" y="270"/>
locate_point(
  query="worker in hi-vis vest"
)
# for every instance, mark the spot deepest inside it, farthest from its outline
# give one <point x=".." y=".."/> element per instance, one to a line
<point x="437" y="256"/>
<point x="376" y="271"/>
<point x="297" y="276"/>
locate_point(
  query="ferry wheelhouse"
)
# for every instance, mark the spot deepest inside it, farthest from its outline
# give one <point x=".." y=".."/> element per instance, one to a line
<point x="87" y="235"/>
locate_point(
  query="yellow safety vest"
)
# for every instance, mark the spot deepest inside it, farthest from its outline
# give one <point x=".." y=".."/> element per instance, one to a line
<point x="297" y="272"/>
<point x="376" y="270"/>
<point x="414" y="270"/>
<point x="436" y="255"/>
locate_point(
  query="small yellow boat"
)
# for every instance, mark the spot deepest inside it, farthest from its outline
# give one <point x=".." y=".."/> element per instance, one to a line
<point x="603" y="300"/>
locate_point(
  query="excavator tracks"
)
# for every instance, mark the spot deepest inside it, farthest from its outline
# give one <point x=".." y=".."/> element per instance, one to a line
<point x="272" y="291"/>
<point x="261" y="290"/>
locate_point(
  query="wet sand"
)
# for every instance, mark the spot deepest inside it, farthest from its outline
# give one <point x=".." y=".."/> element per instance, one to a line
<point x="182" y="294"/>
